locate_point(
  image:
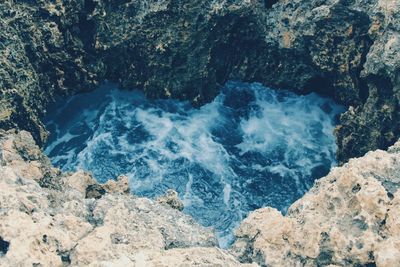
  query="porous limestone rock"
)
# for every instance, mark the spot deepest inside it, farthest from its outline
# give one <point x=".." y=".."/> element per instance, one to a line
<point x="120" y="185"/>
<point x="79" y="181"/>
<point x="42" y="225"/>
<point x="347" y="49"/>
<point x="171" y="198"/>
<point x="194" y="257"/>
<point x="348" y="218"/>
<point x="43" y="52"/>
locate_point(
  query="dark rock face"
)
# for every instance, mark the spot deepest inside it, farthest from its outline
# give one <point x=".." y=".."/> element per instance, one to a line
<point x="95" y="191"/>
<point x="347" y="49"/>
<point x="42" y="54"/>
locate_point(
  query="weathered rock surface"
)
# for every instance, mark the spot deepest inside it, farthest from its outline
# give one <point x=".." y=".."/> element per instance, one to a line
<point x="171" y="199"/>
<point x="348" y="49"/>
<point x="43" y="225"/>
<point x="43" y="53"/>
<point x="349" y="218"/>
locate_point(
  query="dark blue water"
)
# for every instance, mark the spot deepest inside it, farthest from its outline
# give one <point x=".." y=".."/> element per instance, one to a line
<point x="250" y="148"/>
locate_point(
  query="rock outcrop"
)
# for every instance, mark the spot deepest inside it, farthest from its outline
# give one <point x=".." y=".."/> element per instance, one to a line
<point x="43" y="52"/>
<point x="46" y="225"/>
<point x="171" y="199"/>
<point x="345" y="49"/>
<point x="349" y="218"/>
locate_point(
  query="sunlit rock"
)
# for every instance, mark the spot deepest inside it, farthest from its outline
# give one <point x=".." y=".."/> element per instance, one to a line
<point x="349" y="217"/>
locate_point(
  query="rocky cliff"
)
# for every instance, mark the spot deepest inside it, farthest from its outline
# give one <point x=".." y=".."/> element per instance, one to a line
<point x="345" y="49"/>
<point x="348" y="218"/>
<point x="50" y="218"/>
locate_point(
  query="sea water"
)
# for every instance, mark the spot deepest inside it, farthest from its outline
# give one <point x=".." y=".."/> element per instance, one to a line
<point x="251" y="147"/>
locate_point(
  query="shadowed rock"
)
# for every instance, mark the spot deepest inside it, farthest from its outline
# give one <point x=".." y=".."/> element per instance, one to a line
<point x="345" y="49"/>
<point x="171" y="199"/>
<point x="4" y="245"/>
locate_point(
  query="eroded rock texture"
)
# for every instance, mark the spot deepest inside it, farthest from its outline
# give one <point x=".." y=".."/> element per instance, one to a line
<point x="347" y="49"/>
<point x="45" y="219"/>
<point x="43" y="52"/>
<point x="349" y="218"/>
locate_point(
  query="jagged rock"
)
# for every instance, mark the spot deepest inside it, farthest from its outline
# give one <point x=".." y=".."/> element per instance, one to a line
<point x="58" y="226"/>
<point x="388" y="253"/>
<point x="350" y="217"/>
<point x="171" y="198"/>
<point x="79" y="181"/>
<point x="21" y="154"/>
<point x="43" y="53"/>
<point x="128" y="226"/>
<point x="88" y="187"/>
<point x="95" y="191"/>
<point x="121" y="185"/>
<point x="176" y="257"/>
<point x="194" y="257"/>
<point x="347" y="49"/>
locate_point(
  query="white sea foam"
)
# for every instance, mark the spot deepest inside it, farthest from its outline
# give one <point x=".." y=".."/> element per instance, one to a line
<point x="250" y="147"/>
